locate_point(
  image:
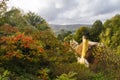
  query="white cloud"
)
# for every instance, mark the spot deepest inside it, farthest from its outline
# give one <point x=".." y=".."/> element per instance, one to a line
<point x="70" y="11"/>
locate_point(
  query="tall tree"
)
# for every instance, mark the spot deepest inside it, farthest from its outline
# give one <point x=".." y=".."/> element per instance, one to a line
<point x="110" y="36"/>
<point x="14" y="17"/>
<point x="3" y="9"/>
<point x="36" y="21"/>
<point x="80" y="32"/>
<point x="95" y="31"/>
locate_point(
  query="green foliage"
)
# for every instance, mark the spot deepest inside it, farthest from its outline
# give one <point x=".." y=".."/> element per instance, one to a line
<point x="92" y="33"/>
<point x="69" y="76"/>
<point x="19" y="53"/>
<point x="63" y="34"/>
<point x="106" y="61"/>
<point x="14" y="17"/>
<point x="5" y="75"/>
<point x="29" y="49"/>
<point x="99" y="76"/>
<point x="26" y="77"/>
<point x="80" y="32"/>
<point x="95" y="31"/>
<point x="110" y="36"/>
<point x="36" y="21"/>
<point x="3" y="7"/>
<point x="68" y="38"/>
<point x="118" y="50"/>
<point x="82" y="73"/>
<point x="33" y="19"/>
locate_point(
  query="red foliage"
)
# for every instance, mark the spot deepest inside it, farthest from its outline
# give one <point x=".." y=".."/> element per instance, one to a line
<point x="20" y="46"/>
<point x="26" y="40"/>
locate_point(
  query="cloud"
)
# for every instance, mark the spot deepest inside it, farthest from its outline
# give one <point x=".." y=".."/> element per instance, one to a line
<point x="70" y="11"/>
<point x="103" y="7"/>
<point x="56" y="8"/>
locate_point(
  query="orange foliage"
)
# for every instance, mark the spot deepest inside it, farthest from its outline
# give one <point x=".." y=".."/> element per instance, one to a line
<point x="20" y="46"/>
<point x="66" y="44"/>
<point x="26" y="40"/>
<point x="66" y="47"/>
<point x="41" y="49"/>
<point x="13" y="54"/>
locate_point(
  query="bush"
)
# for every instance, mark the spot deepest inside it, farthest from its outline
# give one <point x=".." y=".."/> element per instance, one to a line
<point x="69" y="76"/>
<point x="108" y="62"/>
<point x="21" y="54"/>
<point x="82" y="73"/>
<point x="5" y="75"/>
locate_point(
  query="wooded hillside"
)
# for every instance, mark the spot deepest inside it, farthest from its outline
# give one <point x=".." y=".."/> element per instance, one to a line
<point x="29" y="50"/>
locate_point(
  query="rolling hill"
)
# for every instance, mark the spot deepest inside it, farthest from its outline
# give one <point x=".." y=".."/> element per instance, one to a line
<point x="70" y="27"/>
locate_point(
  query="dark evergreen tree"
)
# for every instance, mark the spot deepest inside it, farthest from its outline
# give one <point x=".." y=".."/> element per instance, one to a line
<point x="80" y="32"/>
<point x="95" y="31"/>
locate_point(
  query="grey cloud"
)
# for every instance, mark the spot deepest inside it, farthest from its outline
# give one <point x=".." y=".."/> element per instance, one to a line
<point x="52" y="12"/>
<point x="98" y="7"/>
<point x="75" y="11"/>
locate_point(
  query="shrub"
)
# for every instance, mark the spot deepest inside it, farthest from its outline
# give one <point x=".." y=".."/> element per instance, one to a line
<point x="82" y="73"/>
<point x="108" y="62"/>
<point x="69" y="76"/>
<point x="5" y="75"/>
<point x="21" y="54"/>
<point x="99" y="76"/>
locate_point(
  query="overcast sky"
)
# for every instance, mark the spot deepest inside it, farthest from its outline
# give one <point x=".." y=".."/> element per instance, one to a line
<point x="70" y="11"/>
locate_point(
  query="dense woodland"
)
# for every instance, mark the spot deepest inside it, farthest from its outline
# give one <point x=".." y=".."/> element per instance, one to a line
<point x="29" y="50"/>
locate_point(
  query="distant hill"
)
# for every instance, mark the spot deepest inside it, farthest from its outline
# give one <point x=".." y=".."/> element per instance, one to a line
<point x="72" y="27"/>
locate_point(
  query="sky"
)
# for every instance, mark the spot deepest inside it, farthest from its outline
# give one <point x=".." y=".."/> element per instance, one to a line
<point x="70" y="11"/>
